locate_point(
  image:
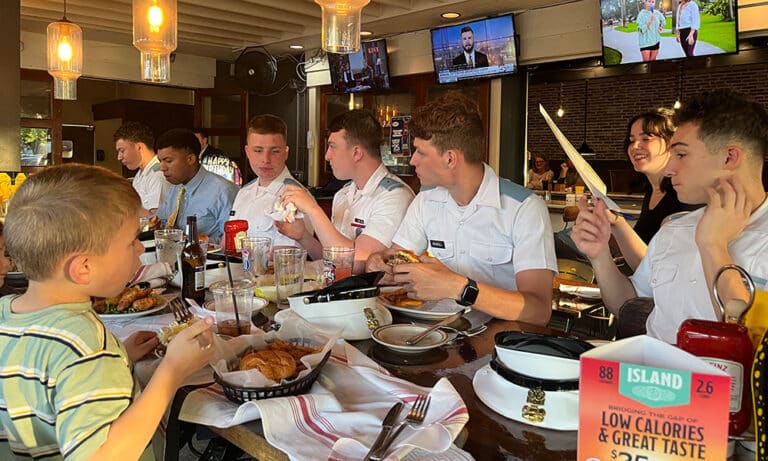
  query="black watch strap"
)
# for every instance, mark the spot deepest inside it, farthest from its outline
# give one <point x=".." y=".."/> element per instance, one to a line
<point x="469" y="293"/>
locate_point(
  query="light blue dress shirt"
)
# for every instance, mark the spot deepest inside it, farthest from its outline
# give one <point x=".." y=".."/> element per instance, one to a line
<point x="206" y="195"/>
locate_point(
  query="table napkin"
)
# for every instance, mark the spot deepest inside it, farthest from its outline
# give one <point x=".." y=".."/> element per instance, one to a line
<point x="155" y="274"/>
<point x="342" y="414"/>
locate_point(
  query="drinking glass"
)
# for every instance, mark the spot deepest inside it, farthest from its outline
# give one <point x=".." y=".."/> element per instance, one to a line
<point x="337" y="263"/>
<point x="255" y="252"/>
<point x="168" y="246"/>
<point x="223" y="294"/>
<point x="289" y="272"/>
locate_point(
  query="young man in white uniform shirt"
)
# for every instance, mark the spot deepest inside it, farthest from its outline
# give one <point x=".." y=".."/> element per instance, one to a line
<point x="134" y="143"/>
<point x="717" y="159"/>
<point x="367" y="210"/>
<point x="267" y="151"/>
<point x="491" y="239"/>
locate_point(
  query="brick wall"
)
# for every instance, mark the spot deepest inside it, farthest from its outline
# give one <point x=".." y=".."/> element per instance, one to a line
<point x="613" y="100"/>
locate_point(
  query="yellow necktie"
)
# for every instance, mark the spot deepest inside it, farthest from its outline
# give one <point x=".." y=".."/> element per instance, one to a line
<point x="469" y="61"/>
<point x="171" y="223"/>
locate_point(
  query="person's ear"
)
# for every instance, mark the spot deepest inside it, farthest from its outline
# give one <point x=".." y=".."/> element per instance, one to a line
<point x="451" y="158"/>
<point x="78" y="269"/>
<point x="357" y="153"/>
<point x="734" y="157"/>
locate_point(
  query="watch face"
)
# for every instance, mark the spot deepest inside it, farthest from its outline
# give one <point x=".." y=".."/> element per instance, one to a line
<point x="469" y="294"/>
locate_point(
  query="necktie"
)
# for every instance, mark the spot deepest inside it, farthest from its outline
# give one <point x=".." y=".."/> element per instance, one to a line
<point x="172" y="218"/>
<point x="469" y="61"/>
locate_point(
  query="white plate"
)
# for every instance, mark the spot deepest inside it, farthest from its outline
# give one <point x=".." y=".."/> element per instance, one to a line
<point x="430" y="310"/>
<point x="213" y="247"/>
<point x="394" y="336"/>
<point x="131" y="315"/>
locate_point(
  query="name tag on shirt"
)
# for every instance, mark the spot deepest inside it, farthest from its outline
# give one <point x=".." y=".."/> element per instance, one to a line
<point x="358" y="223"/>
<point x="437" y="244"/>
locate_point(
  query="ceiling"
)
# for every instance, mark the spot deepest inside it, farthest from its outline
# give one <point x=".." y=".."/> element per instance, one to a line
<point x="222" y="28"/>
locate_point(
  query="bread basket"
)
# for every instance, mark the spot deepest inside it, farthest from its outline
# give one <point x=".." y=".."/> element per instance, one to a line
<point x="242" y="394"/>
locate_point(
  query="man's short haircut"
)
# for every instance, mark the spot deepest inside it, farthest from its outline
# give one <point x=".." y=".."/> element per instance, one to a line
<point x="179" y="138"/>
<point x="201" y="131"/>
<point x="268" y="124"/>
<point x="63" y="210"/>
<point x="467" y="29"/>
<point x="451" y="122"/>
<point x="725" y="117"/>
<point x="361" y="128"/>
<point x="135" y="132"/>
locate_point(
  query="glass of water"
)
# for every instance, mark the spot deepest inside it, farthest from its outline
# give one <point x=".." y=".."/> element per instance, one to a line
<point x="168" y="246"/>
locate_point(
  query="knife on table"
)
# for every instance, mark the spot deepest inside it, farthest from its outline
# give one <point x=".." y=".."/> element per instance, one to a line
<point x="386" y="428"/>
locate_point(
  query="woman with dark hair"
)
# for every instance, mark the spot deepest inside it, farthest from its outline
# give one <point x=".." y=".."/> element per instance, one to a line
<point x="687" y="25"/>
<point x="647" y="145"/>
<point x="539" y="173"/>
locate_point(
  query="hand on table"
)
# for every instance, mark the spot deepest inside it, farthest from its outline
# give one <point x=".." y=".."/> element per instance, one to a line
<point x="592" y="230"/>
<point x="429" y="280"/>
<point x="726" y="215"/>
<point x="139" y="344"/>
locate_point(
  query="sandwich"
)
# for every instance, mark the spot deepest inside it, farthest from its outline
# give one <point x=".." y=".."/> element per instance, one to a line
<point x="403" y="257"/>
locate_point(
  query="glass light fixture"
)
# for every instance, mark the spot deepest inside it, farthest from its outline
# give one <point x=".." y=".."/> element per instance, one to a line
<point x="341" y="25"/>
<point x="155" y="35"/>
<point x="65" y="56"/>
<point x="560" y="110"/>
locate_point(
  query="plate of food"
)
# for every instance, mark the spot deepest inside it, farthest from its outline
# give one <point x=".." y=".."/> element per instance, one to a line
<point x="213" y="247"/>
<point x="131" y="302"/>
<point x="396" y="299"/>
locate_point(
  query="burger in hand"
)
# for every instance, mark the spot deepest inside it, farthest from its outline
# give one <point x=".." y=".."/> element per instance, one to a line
<point x="403" y="257"/>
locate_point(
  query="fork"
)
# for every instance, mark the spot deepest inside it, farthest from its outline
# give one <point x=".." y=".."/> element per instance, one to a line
<point x="415" y="416"/>
<point x="182" y="315"/>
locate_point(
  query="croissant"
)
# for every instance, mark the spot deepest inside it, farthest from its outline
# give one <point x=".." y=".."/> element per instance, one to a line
<point x="274" y="365"/>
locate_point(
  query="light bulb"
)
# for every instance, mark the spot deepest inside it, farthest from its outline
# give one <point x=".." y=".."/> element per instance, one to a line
<point x="677" y="104"/>
<point x="64" y="51"/>
<point x="560" y="112"/>
<point x="155" y="18"/>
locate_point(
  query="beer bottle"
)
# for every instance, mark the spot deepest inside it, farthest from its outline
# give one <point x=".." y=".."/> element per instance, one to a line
<point x="193" y="264"/>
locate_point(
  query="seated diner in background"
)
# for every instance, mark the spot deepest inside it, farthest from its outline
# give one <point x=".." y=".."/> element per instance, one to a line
<point x="568" y="175"/>
<point x="647" y="145"/>
<point x="267" y="151"/>
<point x="194" y="190"/>
<point x="717" y="159"/>
<point x="539" y="173"/>
<point x="368" y="209"/>
<point x="491" y="239"/>
<point x="76" y="398"/>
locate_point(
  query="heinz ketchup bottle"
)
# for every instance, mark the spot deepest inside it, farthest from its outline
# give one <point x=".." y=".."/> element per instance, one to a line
<point x="727" y="346"/>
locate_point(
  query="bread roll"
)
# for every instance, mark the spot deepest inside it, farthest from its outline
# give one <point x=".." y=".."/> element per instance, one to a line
<point x="275" y="365"/>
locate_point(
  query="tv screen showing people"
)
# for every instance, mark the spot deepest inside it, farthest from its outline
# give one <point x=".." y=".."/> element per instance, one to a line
<point x="636" y="31"/>
<point x="478" y="49"/>
<point x="366" y="70"/>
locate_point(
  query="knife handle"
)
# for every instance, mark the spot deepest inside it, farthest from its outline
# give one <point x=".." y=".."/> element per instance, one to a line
<point x="379" y="440"/>
<point x="381" y="450"/>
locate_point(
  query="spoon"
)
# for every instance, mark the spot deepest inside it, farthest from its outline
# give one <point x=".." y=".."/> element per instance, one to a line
<point x="465" y="333"/>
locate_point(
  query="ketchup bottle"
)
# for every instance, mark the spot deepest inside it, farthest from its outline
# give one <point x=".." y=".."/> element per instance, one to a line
<point x="727" y="346"/>
<point x="234" y="231"/>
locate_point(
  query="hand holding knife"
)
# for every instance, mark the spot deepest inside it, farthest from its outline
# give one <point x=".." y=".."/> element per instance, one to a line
<point x="386" y="428"/>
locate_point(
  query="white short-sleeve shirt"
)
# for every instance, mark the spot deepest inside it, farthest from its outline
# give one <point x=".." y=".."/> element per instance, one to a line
<point x="254" y="203"/>
<point x="673" y="275"/>
<point x="504" y="230"/>
<point x="151" y="185"/>
<point x="376" y="210"/>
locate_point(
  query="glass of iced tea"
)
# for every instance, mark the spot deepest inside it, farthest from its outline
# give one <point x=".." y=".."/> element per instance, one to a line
<point x="225" y="298"/>
<point x="337" y="262"/>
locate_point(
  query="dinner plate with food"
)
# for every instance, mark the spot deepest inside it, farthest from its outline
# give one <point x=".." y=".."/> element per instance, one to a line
<point x="132" y="302"/>
<point x="397" y="299"/>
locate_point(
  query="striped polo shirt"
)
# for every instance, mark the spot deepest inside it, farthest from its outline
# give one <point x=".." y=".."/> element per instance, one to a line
<point x="64" y="378"/>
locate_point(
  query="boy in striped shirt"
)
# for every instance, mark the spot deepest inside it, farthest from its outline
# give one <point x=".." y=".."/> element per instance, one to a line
<point x="66" y="390"/>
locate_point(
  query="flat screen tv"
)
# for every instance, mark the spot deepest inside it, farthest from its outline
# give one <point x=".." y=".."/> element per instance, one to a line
<point x="478" y="49"/>
<point x="366" y="70"/>
<point x="636" y="31"/>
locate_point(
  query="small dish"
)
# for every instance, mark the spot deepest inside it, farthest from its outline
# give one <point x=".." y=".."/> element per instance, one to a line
<point x="393" y="337"/>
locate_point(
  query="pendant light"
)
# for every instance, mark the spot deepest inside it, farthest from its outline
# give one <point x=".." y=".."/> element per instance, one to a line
<point x="65" y="56"/>
<point x="584" y="149"/>
<point x="560" y="110"/>
<point x="679" y="102"/>
<point x="155" y="35"/>
<point x="341" y="21"/>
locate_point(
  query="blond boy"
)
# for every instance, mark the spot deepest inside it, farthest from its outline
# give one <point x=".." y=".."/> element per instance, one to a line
<point x="65" y="380"/>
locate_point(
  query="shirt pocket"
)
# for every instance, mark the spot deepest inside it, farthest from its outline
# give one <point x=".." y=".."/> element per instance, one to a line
<point x="662" y="275"/>
<point x="490" y="253"/>
<point x="444" y="254"/>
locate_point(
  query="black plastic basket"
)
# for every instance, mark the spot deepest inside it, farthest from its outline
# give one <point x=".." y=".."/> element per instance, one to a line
<point x="240" y="394"/>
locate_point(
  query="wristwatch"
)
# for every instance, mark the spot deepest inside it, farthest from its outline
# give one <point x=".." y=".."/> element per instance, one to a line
<point x="469" y="293"/>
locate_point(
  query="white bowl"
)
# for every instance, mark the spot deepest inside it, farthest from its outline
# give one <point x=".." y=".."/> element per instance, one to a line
<point x="394" y="337"/>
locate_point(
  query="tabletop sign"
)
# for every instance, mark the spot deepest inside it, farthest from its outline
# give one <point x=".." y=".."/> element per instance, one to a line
<point x="399" y="136"/>
<point x="641" y="399"/>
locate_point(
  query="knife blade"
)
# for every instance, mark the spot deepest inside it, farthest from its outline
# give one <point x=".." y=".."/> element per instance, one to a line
<point x="416" y="338"/>
<point x="386" y="428"/>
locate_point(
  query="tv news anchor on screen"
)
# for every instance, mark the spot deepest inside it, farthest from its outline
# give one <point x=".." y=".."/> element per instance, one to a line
<point x="470" y="57"/>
